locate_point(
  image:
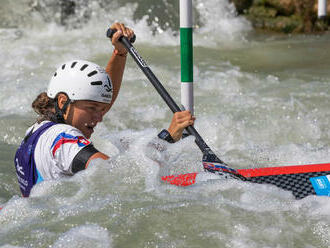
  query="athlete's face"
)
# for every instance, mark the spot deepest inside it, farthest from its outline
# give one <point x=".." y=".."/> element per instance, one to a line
<point x="84" y="115"/>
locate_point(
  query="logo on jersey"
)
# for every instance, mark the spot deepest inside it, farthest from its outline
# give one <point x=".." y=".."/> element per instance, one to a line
<point x="19" y="168"/>
<point x="64" y="138"/>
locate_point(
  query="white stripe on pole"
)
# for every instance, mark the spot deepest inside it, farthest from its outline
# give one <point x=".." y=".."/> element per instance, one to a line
<point x="322" y="8"/>
<point x="185" y="13"/>
<point x="187" y="96"/>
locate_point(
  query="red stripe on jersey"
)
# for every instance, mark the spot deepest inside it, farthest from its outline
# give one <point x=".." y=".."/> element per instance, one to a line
<point x="61" y="142"/>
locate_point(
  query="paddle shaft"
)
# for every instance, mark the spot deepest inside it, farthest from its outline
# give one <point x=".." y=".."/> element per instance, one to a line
<point x="162" y="91"/>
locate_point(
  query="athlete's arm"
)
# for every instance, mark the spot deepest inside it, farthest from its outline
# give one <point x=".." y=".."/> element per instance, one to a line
<point x="116" y="64"/>
<point x="97" y="155"/>
<point x="84" y="157"/>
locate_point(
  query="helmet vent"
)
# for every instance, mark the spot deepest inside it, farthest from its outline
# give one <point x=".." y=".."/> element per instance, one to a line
<point x="83" y="67"/>
<point x="92" y="73"/>
<point x="55" y="74"/>
<point x="63" y="66"/>
<point x="73" y="64"/>
<point x="96" y="83"/>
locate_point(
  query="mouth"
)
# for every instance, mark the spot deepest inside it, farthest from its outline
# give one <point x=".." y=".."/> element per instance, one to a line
<point x="90" y="128"/>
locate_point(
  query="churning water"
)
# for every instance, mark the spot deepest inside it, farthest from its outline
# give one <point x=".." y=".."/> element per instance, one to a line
<point x="260" y="100"/>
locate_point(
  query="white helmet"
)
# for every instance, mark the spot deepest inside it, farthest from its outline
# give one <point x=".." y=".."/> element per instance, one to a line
<point x="81" y="80"/>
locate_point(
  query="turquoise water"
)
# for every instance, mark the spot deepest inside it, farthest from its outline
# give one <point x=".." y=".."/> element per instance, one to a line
<point x="260" y="100"/>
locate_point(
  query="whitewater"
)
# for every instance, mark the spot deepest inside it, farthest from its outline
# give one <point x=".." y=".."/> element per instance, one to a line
<point x="261" y="100"/>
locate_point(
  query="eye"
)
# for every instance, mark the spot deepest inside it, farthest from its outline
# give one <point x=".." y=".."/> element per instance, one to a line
<point x="91" y="108"/>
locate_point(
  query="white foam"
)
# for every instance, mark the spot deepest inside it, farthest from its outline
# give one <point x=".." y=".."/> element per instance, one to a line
<point x="89" y="235"/>
<point x="249" y="117"/>
<point x="11" y="246"/>
<point x="221" y="24"/>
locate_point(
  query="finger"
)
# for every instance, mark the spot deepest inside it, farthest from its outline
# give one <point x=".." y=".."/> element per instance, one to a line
<point x="120" y="27"/>
<point x="182" y="113"/>
<point x="116" y="36"/>
<point x="184" y="117"/>
<point x="116" y="26"/>
<point x="184" y="124"/>
<point x="123" y="29"/>
<point x="130" y="33"/>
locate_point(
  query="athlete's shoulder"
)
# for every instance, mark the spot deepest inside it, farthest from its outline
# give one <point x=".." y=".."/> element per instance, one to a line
<point x="62" y="132"/>
<point x="59" y="127"/>
<point x="35" y="127"/>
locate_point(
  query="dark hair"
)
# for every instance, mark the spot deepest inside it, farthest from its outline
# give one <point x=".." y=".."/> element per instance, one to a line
<point x="44" y="107"/>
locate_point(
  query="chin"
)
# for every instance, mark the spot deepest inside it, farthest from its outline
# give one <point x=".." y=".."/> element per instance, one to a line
<point x="87" y="135"/>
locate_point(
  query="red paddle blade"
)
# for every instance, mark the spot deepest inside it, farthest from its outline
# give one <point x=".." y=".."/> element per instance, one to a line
<point x="181" y="179"/>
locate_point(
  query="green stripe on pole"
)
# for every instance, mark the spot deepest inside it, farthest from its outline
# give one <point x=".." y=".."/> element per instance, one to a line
<point x="186" y="54"/>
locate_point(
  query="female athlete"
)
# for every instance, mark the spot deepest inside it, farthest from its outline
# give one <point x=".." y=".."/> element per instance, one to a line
<point x="79" y="94"/>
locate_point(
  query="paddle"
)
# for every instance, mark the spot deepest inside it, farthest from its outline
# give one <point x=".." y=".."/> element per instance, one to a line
<point x="302" y="180"/>
<point x="211" y="162"/>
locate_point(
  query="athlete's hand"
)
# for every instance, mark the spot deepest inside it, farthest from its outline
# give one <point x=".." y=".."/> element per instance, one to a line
<point x="180" y="121"/>
<point x="121" y="30"/>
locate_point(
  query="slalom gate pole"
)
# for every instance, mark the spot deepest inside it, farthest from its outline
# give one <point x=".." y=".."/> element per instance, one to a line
<point x="322" y="9"/>
<point x="186" y="52"/>
<point x="210" y="160"/>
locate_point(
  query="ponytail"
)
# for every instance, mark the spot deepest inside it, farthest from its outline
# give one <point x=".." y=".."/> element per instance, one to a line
<point x="44" y="107"/>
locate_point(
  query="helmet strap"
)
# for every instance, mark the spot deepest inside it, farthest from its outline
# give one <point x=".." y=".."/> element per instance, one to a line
<point x="59" y="113"/>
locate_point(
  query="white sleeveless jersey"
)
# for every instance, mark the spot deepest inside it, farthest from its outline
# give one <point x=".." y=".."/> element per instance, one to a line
<point x="56" y="149"/>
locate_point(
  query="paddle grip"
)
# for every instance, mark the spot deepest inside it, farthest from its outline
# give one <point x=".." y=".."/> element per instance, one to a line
<point x="111" y="32"/>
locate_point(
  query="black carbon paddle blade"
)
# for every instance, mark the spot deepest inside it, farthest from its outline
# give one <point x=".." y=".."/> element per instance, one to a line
<point x="301" y="180"/>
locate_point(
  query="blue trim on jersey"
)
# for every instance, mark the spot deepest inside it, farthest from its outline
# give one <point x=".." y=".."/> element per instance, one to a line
<point x="63" y="135"/>
<point x="63" y="138"/>
<point x="40" y="178"/>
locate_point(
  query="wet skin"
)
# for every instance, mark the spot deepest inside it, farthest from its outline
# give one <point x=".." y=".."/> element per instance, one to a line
<point x="85" y="115"/>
